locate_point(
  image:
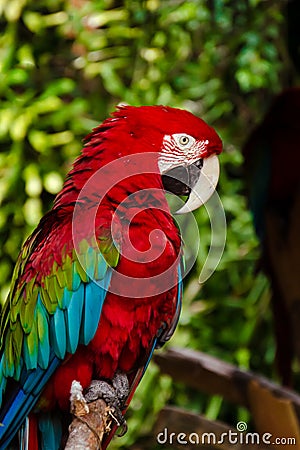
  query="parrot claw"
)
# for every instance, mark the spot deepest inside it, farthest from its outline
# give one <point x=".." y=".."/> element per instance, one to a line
<point x="124" y="429"/>
<point x="114" y="395"/>
<point x="118" y="417"/>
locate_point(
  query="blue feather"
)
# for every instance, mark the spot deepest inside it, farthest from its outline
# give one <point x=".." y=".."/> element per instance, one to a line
<point x="51" y="431"/>
<point x="66" y="298"/>
<point x="101" y="267"/>
<point x="90" y="262"/>
<point x="12" y="419"/>
<point x="58" y="333"/>
<point x="3" y="379"/>
<point x="73" y="318"/>
<point x="76" y="316"/>
<point x="93" y="302"/>
<point x="76" y="280"/>
<point x="14" y="416"/>
<point x="44" y="375"/>
<point x="22" y="400"/>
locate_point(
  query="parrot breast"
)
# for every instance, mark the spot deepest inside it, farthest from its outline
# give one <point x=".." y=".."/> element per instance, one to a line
<point x="128" y="323"/>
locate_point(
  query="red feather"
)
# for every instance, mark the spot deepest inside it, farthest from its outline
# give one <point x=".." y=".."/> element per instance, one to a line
<point x="128" y="198"/>
<point x="128" y="325"/>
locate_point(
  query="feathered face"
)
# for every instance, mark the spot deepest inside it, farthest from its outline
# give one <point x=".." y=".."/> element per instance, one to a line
<point x="184" y="147"/>
<point x="188" y="169"/>
<point x="187" y="150"/>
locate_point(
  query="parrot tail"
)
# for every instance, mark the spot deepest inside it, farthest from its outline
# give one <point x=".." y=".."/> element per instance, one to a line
<point x="28" y="434"/>
<point x="42" y="432"/>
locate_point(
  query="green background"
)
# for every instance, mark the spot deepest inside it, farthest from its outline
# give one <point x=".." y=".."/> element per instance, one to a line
<point x="64" y="65"/>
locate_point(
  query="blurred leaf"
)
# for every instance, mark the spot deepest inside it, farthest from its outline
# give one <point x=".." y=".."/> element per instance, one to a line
<point x="64" y="65"/>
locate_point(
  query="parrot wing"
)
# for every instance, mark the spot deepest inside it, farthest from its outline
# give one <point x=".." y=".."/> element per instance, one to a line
<point x="47" y="317"/>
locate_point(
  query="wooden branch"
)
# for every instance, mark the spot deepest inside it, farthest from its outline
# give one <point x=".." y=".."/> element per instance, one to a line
<point x="213" y="376"/>
<point x="274" y="409"/>
<point x="91" y="421"/>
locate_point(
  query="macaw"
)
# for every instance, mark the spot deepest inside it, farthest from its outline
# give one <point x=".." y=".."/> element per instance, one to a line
<point x="98" y="285"/>
<point x="272" y="161"/>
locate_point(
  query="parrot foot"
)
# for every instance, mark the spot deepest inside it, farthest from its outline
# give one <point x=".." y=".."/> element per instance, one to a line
<point x="114" y="395"/>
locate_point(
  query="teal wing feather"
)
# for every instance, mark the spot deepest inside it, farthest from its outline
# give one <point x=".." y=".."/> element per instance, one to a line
<point x="46" y="317"/>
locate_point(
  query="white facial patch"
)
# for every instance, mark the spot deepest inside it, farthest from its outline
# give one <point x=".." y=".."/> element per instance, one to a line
<point x="179" y="149"/>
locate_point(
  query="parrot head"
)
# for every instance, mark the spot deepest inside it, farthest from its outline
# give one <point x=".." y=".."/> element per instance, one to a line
<point x="172" y="143"/>
<point x="187" y="149"/>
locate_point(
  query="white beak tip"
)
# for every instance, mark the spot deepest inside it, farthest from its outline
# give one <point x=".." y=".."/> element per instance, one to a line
<point x="205" y="186"/>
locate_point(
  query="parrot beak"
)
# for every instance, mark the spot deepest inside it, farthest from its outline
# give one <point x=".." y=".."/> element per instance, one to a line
<point x="205" y="185"/>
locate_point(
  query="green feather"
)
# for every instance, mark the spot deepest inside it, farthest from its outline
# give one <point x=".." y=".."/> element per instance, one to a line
<point x="76" y="280"/>
<point x="112" y="257"/>
<point x="66" y="299"/>
<point x="50" y="306"/>
<point x="60" y="278"/>
<point x="9" y="367"/>
<point x="31" y="348"/>
<point x="109" y="251"/>
<point x="81" y="272"/>
<point x="83" y="247"/>
<point x="59" y="291"/>
<point x="30" y="285"/>
<point x="49" y="285"/>
<point x="90" y="261"/>
<point x="14" y="300"/>
<point x="14" y="313"/>
<point x="27" y="314"/>
<point x="17" y="341"/>
<point x="39" y="314"/>
<point x="43" y="336"/>
<point x="67" y="271"/>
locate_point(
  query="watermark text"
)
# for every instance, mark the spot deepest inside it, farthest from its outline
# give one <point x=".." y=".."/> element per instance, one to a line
<point x="238" y="437"/>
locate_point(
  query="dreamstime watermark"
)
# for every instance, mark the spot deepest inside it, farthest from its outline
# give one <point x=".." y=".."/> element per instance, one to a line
<point x="239" y="437"/>
<point x="89" y="216"/>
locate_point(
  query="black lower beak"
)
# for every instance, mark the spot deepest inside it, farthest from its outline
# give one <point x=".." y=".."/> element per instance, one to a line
<point x="181" y="180"/>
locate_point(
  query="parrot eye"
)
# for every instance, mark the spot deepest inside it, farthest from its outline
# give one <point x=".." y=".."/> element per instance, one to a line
<point x="184" y="140"/>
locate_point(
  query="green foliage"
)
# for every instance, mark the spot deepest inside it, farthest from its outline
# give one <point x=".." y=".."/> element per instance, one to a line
<point x="64" y="65"/>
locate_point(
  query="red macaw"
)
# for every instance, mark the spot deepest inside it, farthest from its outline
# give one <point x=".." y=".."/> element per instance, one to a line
<point x="97" y="286"/>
